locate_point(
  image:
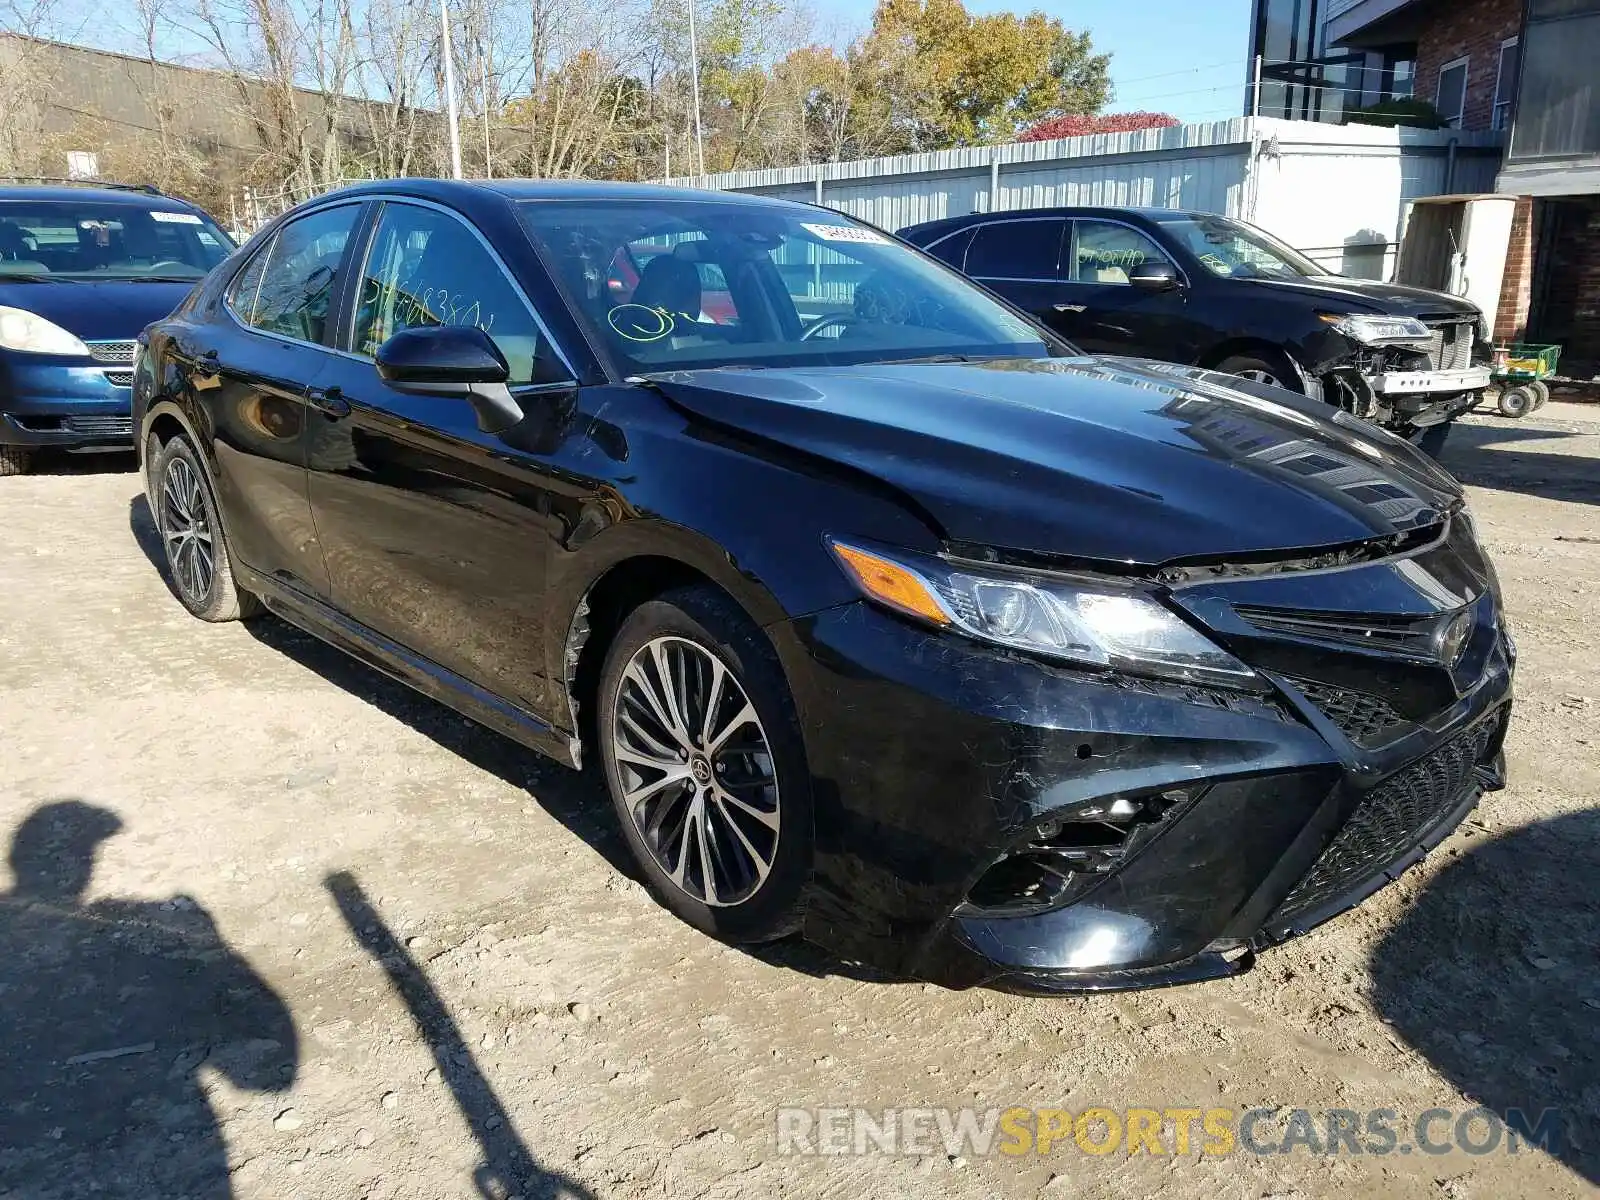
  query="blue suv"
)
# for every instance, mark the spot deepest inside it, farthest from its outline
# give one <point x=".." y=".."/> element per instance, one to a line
<point x="82" y="271"/>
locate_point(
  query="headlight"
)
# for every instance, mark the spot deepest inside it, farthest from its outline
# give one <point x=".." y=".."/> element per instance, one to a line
<point x="29" y="332"/>
<point x="1075" y="621"/>
<point x="1372" y="330"/>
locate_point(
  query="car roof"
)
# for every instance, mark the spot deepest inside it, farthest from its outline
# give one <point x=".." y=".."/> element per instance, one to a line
<point x="133" y="197"/>
<point x="1068" y="210"/>
<point x="465" y="190"/>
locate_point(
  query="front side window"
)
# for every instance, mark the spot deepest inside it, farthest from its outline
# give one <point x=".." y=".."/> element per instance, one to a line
<point x="300" y="274"/>
<point x="1233" y="249"/>
<point x="731" y="283"/>
<point x="107" y="240"/>
<point x="1104" y="252"/>
<point x="1015" y="250"/>
<point x="425" y="268"/>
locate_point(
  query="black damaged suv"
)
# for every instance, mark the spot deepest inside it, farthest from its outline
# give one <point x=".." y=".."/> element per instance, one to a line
<point x="1211" y="291"/>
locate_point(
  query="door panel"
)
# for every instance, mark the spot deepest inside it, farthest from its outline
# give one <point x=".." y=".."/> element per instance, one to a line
<point x="435" y="533"/>
<point x="1104" y="314"/>
<point x="252" y="374"/>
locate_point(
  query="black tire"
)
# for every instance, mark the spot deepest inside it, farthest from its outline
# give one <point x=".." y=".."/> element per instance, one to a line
<point x="1541" y="393"/>
<point x="186" y="516"/>
<point x="1517" y="401"/>
<point x="1262" y="370"/>
<point x="15" y="460"/>
<point x="687" y="624"/>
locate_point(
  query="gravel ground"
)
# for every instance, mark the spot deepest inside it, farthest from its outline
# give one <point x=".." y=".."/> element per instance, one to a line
<point x="278" y="927"/>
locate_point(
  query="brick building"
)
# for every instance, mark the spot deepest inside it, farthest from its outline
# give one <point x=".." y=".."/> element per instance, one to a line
<point x="1523" y="66"/>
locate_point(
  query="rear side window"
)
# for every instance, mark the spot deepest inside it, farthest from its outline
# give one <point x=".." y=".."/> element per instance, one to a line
<point x="299" y="273"/>
<point x="1016" y="250"/>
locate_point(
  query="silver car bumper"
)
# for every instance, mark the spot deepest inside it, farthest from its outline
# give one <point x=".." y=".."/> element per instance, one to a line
<point x="1399" y="383"/>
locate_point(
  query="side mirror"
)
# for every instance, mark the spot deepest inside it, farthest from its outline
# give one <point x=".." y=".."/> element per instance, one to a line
<point x="1154" y="277"/>
<point x="452" y="360"/>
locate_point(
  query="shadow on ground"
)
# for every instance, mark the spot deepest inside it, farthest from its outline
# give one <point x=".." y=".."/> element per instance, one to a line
<point x="578" y="800"/>
<point x="508" y="1167"/>
<point x="109" y="1010"/>
<point x="1488" y="456"/>
<point x="1493" y="976"/>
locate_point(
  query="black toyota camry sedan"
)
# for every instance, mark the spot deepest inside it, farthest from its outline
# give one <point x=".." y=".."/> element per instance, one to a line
<point x="886" y="616"/>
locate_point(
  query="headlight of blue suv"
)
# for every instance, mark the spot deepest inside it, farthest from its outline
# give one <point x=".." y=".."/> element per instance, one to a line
<point x="1371" y="329"/>
<point x="1090" y="624"/>
<point x="32" y="334"/>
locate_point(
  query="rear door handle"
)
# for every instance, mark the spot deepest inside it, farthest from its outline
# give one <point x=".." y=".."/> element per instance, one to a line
<point x="328" y="401"/>
<point x="1072" y="308"/>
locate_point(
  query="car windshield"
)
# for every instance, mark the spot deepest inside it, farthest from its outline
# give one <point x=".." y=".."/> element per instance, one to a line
<point x="688" y="284"/>
<point x="73" y="239"/>
<point x="1232" y="248"/>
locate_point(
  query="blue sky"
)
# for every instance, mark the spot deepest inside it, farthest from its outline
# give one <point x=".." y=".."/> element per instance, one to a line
<point x="1185" y="57"/>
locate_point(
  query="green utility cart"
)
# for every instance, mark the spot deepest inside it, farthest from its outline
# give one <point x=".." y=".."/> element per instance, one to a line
<point x="1521" y="372"/>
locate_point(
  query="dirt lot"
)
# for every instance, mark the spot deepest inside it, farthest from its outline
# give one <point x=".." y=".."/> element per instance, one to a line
<point x="280" y="928"/>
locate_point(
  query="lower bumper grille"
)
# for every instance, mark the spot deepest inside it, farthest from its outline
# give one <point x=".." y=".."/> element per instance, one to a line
<point x="1366" y="720"/>
<point x="1391" y="820"/>
<point x="92" y="425"/>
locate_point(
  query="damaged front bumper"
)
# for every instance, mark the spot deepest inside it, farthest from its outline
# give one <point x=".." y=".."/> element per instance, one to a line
<point x="1208" y="825"/>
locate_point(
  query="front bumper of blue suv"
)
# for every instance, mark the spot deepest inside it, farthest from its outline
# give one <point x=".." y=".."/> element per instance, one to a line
<point x="68" y="402"/>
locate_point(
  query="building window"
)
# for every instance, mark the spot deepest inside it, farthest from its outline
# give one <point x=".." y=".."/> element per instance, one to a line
<point x="1452" y="96"/>
<point x="1400" y="76"/>
<point x="1505" y="88"/>
<point x="1558" y="97"/>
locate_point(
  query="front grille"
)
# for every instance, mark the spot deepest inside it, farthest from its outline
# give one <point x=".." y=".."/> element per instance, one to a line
<point x="1450" y="348"/>
<point x="111" y="352"/>
<point x="1400" y="635"/>
<point x="120" y="378"/>
<point x="1365" y="719"/>
<point x="1391" y="820"/>
<point x="95" y="425"/>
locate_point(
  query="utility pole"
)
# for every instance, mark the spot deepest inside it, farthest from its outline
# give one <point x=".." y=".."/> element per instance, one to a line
<point x="1255" y="88"/>
<point x="488" y="152"/>
<point x="450" y="91"/>
<point x="694" y="83"/>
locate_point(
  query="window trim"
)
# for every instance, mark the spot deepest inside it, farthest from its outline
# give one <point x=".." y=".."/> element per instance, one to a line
<point x="380" y="203"/>
<point x="1465" y="63"/>
<point x="1508" y="103"/>
<point x="290" y="218"/>
<point x="979" y="226"/>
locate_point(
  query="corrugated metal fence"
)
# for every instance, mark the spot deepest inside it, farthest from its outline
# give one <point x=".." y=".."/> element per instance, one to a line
<point x="1338" y="191"/>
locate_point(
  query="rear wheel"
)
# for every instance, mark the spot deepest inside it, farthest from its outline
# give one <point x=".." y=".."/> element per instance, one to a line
<point x="1259" y="369"/>
<point x="1541" y="393"/>
<point x="197" y="550"/>
<point x="14" y="460"/>
<point x="704" y="762"/>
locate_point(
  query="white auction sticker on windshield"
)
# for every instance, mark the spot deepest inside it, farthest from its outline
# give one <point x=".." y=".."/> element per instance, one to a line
<point x="175" y="218"/>
<point x="845" y="233"/>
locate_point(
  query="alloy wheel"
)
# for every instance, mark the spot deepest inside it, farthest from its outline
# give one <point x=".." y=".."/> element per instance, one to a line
<point x="1257" y="376"/>
<point x="696" y="771"/>
<point x="186" y="529"/>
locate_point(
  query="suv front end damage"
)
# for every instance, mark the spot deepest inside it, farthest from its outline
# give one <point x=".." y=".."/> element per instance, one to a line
<point x="1404" y="379"/>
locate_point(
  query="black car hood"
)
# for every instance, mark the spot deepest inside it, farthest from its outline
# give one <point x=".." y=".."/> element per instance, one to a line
<point x="98" y="309"/>
<point x="1343" y="294"/>
<point x="1116" y="460"/>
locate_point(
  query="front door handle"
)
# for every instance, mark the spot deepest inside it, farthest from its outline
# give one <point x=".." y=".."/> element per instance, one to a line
<point x="1072" y="308"/>
<point x="328" y="401"/>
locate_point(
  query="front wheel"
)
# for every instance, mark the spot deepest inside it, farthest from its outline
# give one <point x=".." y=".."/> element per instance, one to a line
<point x="705" y="765"/>
<point x="1259" y="370"/>
<point x="185" y="511"/>
<point x="1517" y="401"/>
